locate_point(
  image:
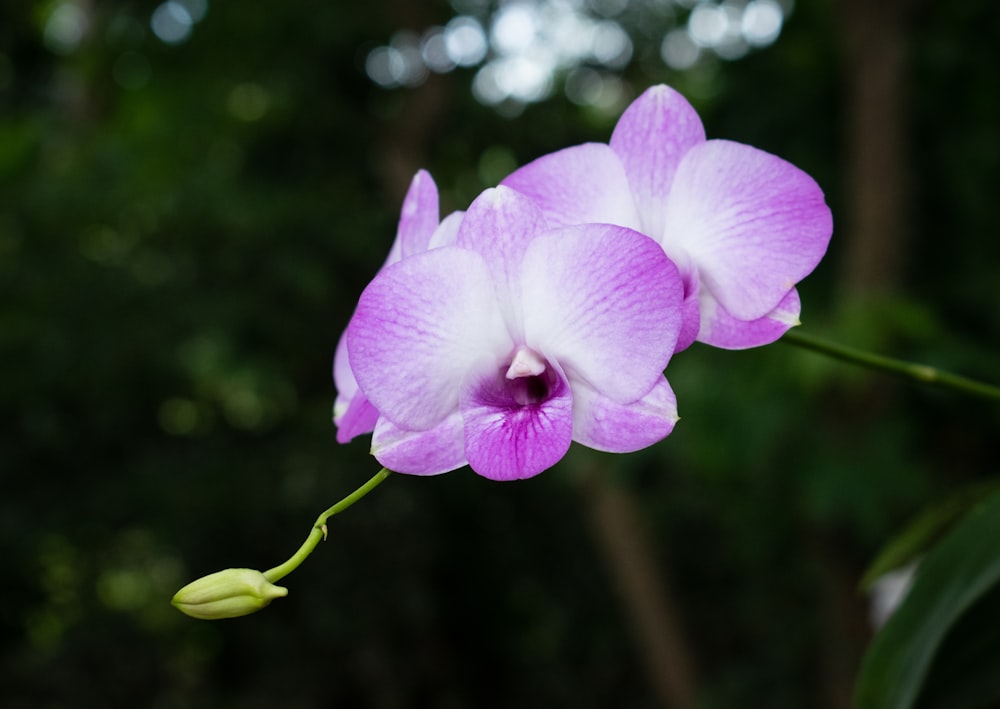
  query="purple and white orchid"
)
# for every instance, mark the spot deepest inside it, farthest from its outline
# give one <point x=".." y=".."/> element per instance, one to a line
<point x="419" y="229"/>
<point x="501" y="349"/>
<point x="743" y="226"/>
<point x="547" y="313"/>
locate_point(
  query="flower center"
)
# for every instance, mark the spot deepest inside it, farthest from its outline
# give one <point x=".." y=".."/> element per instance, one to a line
<point x="528" y="377"/>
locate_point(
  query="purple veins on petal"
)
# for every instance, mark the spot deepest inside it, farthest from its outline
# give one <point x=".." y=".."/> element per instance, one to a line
<point x="602" y="424"/>
<point x="516" y="427"/>
<point x="419" y="229"/>
<point x="721" y="329"/>
<point x="753" y="224"/>
<point x="421" y="325"/>
<point x="474" y="352"/>
<point x="578" y="185"/>
<point x="742" y="226"/>
<point x="605" y="303"/>
<point x="437" y="450"/>
<point x="651" y="138"/>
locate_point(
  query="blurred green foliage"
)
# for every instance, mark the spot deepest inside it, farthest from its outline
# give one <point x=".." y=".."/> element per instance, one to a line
<point x="940" y="648"/>
<point x="184" y="231"/>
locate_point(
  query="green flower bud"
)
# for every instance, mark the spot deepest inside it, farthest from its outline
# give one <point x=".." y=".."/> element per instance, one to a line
<point x="227" y="594"/>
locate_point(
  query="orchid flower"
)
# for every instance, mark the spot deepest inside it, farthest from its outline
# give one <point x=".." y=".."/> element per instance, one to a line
<point x="743" y="226"/>
<point x="501" y="349"/>
<point x="419" y="229"/>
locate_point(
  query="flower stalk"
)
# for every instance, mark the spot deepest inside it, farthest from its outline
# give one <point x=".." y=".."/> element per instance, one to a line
<point x="910" y="370"/>
<point x="319" y="530"/>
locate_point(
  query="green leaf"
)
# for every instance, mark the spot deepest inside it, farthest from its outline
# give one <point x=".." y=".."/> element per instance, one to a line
<point x="964" y="673"/>
<point x="962" y="569"/>
<point x="917" y="537"/>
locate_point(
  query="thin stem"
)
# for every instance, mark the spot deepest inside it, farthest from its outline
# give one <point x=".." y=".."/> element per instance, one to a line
<point x="919" y="372"/>
<point x="318" y="531"/>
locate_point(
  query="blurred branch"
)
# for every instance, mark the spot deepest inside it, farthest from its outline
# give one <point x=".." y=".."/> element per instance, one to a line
<point x="404" y="145"/>
<point x="874" y="37"/>
<point x="919" y="372"/>
<point x="645" y="594"/>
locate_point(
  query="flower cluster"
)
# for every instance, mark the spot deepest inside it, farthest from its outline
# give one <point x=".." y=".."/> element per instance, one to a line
<point x="547" y="312"/>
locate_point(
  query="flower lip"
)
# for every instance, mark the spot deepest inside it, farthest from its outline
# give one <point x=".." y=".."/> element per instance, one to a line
<point x="516" y="428"/>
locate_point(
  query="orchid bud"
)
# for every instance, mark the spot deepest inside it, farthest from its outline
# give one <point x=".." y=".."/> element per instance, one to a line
<point x="227" y="594"/>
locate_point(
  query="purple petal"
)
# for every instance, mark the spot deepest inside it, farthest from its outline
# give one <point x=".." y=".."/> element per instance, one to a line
<point x="353" y="414"/>
<point x="600" y="423"/>
<point x="430" y="452"/>
<point x="359" y="418"/>
<point x="499" y="225"/>
<point x="720" y="329"/>
<point x="343" y="377"/>
<point x="418" y="218"/>
<point x="420" y="326"/>
<point x="690" y="323"/>
<point x="605" y="303"/>
<point x="578" y="185"/>
<point x="651" y="138"/>
<point x="508" y="440"/>
<point x="753" y="225"/>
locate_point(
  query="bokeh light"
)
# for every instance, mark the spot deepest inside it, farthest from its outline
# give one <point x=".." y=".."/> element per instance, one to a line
<point x="761" y="23"/>
<point x="679" y="51"/>
<point x="434" y="51"/>
<point x="65" y="28"/>
<point x="173" y="21"/>
<point x="399" y="64"/>
<point x="465" y="41"/>
<point x="524" y="49"/>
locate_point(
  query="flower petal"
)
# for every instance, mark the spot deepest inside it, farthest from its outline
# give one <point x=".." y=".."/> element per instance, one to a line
<point x="353" y="414"/>
<point x="357" y="420"/>
<point x="420" y="326"/>
<point x="720" y="329"/>
<point x="690" y="321"/>
<point x="690" y="307"/>
<point x="650" y="139"/>
<point x="507" y="440"/>
<point x="447" y="231"/>
<point x="499" y="225"/>
<point x="753" y="224"/>
<point x="602" y="424"/>
<point x="578" y="185"/>
<point x="605" y="303"/>
<point x="437" y="450"/>
<point x="418" y="218"/>
<point x="343" y="377"/>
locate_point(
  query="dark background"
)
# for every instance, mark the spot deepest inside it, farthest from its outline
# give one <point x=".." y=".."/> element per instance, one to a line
<point x="184" y="231"/>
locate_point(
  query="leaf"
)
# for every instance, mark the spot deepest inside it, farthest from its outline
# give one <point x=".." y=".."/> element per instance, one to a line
<point x="917" y="537"/>
<point x="964" y="673"/>
<point x="960" y="570"/>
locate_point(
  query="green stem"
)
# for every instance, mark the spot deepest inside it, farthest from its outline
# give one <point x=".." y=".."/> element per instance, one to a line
<point x="318" y="532"/>
<point x="919" y="372"/>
